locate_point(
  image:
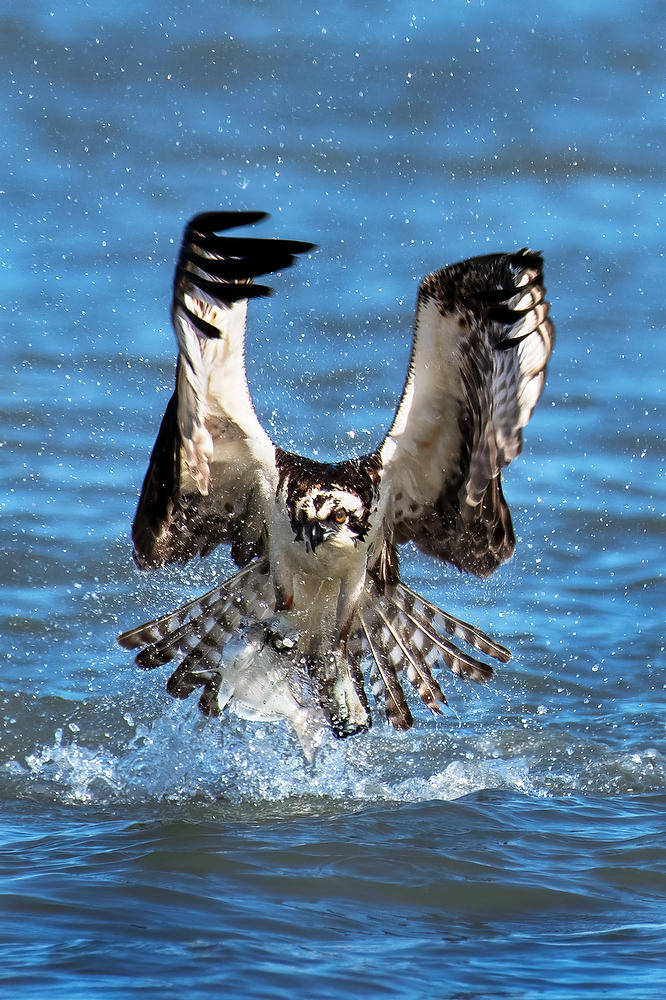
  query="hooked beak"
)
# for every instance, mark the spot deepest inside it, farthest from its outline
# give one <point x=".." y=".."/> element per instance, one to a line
<point x="316" y="533"/>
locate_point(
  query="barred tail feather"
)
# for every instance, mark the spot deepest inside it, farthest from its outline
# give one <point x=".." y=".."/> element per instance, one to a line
<point x="198" y="632"/>
<point x="417" y="670"/>
<point x="201" y="664"/>
<point x="159" y="628"/>
<point x="402" y="630"/>
<point x="220" y="610"/>
<point x="406" y="598"/>
<point x="154" y="631"/>
<point x="223" y="616"/>
<point x="387" y="663"/>
<point x="434" y="646"/>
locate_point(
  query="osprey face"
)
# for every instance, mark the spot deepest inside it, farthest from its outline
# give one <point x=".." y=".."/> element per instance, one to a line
<point x="334" y="518"/>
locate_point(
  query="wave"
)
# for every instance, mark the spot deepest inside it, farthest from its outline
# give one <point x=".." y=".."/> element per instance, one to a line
<point x="111" y="757"/>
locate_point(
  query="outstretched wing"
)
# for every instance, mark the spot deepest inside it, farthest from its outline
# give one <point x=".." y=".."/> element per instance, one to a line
<point x="213" y="466"/>
<point x="482" y="340"/>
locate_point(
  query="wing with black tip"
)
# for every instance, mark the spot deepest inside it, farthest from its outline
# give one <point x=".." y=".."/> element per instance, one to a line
<point x="212" y="469"/>
<point x="482" y="341"/>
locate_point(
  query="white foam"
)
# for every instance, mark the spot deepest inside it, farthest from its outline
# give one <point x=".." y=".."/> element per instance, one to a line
<point x="181" y="757"/>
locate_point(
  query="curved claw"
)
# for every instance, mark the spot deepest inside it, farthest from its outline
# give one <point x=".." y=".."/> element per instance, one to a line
<point x="342" y="698"/>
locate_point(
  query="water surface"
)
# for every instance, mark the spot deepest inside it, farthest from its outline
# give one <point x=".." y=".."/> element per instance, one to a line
<point x="513" y="848"/>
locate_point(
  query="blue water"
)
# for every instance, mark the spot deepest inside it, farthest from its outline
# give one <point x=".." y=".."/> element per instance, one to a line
<point x="514" y="848"/>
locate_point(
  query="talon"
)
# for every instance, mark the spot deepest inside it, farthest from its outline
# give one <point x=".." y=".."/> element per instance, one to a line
<point x="343" y="702"/>
<point x="342" y="728"/>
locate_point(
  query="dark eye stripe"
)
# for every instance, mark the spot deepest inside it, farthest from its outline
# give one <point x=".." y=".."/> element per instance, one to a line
<point x="359" y="525"/>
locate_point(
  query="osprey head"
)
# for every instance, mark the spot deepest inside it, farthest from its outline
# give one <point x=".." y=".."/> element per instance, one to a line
<point x="328" y="515"/>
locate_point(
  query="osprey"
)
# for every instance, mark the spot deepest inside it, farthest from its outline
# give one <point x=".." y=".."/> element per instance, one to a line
<point x="318" y="589"/>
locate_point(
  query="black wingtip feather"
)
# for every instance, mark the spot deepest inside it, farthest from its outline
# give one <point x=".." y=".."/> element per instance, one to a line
<point x="225" y="266"/>
<point x="218" y="222"/>
<point x="232" y="268"/>
<point x="243" y="246"/>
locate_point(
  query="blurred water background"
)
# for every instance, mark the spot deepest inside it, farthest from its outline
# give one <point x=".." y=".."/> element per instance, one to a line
<point x="514" y="848"/>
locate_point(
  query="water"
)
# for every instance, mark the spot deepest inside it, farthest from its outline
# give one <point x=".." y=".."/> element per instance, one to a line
<point x="514" y="848"/>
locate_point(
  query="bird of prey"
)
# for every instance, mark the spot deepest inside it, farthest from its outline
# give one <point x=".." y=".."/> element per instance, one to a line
<point x="318" y="595"/>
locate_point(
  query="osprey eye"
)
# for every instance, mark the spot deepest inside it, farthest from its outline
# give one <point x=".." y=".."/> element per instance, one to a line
<point x="340" y="516"/>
